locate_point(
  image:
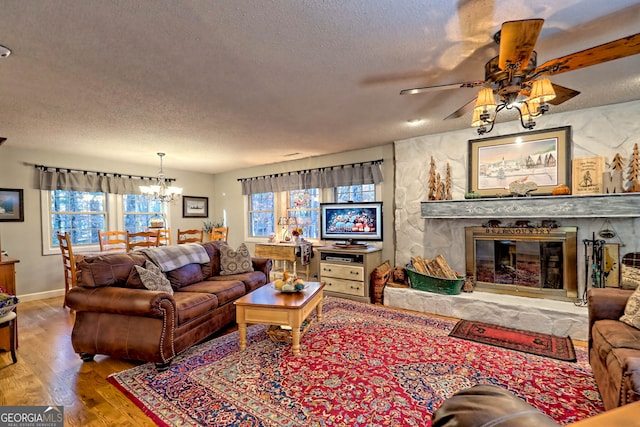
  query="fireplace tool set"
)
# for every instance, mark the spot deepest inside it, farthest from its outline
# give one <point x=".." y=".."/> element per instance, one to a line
<point x="593" y="265"/>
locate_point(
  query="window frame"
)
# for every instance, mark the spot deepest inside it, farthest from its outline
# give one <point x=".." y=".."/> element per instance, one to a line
<point x="114" y="220"/>
<point x="281" y="208"/>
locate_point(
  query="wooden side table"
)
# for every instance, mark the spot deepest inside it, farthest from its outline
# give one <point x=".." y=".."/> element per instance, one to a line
<point x="285" y="252"/>
<point x="8" y="282"/>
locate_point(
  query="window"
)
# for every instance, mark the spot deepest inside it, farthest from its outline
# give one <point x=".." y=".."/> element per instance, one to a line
<point x="138" y="211"/>
<point x="265" y="209"/>
<point x="356" y="193"/>
<point x="78" y="213"/>
<point x="304" y="205"/>
<point x="84" y="214"/>
<point x="261" y="214"/>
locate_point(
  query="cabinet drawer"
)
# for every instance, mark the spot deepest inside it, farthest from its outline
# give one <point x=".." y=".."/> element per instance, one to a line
<point x="349" y="287"/>
<point x="349" y="272"/>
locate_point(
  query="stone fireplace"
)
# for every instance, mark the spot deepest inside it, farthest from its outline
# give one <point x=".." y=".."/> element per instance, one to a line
<point x="525" y="261"/>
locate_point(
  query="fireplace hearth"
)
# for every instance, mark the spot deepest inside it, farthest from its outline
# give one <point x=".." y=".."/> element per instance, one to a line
<point x="526" y="261"/>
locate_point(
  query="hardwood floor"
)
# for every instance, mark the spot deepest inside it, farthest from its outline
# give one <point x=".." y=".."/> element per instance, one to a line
<point x="48" y="372"/>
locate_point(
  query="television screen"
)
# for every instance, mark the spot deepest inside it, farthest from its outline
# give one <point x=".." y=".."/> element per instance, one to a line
<point x="351" y="222"/>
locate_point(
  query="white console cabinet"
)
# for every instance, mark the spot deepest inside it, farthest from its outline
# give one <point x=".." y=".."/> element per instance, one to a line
<point x="346" y="273"/>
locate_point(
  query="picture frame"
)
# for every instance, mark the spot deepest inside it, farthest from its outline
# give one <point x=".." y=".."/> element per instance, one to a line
<point x="542" y="157"/>
<point x="11" y="205"/>
<point x="195" y="207"/>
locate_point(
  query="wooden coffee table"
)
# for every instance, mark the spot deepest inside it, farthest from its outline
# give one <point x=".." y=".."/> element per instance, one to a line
<point x="268" y="306"/>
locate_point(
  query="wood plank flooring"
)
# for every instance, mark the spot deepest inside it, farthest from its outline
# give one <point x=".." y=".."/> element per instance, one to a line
<point x="48" y="371"/>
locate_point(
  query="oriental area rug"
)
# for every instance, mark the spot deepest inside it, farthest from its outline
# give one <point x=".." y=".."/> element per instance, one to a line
<point x="362" y="365"/>
<point x="529" y="342"/>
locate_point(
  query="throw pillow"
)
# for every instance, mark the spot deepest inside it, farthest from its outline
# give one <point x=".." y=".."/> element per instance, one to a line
<point x="235" y="262"/>
<point x="630" y="277"/>
<point x="631" y="314"/>
<point x="153" y="279"/>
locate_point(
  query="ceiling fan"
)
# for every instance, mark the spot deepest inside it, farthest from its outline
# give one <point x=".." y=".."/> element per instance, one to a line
<point x="519" y="83"/>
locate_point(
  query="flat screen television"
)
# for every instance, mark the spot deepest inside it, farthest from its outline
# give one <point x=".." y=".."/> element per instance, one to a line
<point x="353" y="223"/>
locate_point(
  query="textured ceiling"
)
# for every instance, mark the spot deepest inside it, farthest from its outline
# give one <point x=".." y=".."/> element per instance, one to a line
<point x="227" y="84"/>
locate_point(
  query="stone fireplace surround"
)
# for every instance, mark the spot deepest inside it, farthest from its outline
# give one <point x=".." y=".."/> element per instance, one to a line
<point x="444" y="233"/>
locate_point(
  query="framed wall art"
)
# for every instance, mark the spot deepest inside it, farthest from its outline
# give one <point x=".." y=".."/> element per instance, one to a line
<point x="195" y="207"/>
<point x="540" y="157"/>
<point x="11" y="204"/>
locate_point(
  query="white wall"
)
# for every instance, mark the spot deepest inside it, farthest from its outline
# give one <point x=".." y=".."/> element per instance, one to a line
<point x="39" y="276"/>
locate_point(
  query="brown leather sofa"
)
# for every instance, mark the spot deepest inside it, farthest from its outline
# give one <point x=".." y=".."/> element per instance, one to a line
<point x="614" y="347"/>
<point x="117" y="316"/>
<point x="487" y="405"/>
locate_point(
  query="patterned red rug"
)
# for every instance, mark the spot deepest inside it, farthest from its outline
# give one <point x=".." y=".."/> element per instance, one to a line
<point x="560" y="348"/>
<point x="363" y="365"/>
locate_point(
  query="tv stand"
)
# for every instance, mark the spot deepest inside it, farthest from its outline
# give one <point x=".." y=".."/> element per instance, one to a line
<point x="346" y="272"/>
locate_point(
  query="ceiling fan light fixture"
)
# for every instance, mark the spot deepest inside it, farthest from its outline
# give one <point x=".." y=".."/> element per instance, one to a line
<point x="542" y="91"/>
<point x="530" y="109"/>
<point x="486" y="101"/>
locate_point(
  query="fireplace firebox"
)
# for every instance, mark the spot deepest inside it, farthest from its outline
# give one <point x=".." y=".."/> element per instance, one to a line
<point x="525" y="261"/>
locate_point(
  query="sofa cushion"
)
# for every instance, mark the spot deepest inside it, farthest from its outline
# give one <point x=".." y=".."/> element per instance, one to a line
<point x="191" y="305"/>
<point x="631" y="314"/>
<point x="212" y="268"/>
<point x="110" y="269"/>
<point x="629" y="277"/>
<point x="235" y="261"/>
<point x="608" y="334"/>
<point x="185" y="275"/>
<point x="252" y="280"/>
<point x="225" y="290"/>
<point x="153" y="279"/>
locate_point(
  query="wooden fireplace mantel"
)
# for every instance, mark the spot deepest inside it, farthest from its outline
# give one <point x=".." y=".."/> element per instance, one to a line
<point x="592" y="206"/>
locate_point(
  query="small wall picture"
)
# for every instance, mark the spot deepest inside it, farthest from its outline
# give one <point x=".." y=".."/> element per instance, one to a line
<point x="195" y="207"/>
<point x="11" y="204"/>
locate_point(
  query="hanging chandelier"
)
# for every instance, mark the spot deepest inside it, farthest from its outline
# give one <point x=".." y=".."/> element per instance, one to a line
<point x="487" y="109"/>
<point x="161" y="191"/>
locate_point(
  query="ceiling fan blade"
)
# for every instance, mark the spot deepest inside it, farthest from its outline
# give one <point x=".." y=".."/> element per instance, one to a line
<point x="462" y="110"/>
<point x="616" y="49"/>
<point x="517" y="40"/>
<point x="441" y="87"/>
<point x="562" y="94"/>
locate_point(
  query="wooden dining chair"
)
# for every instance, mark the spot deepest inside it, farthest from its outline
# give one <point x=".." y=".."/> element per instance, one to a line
<point x="219" y="233"/>
<point x="68" y="264"/>
<point x="113" y="240"/>
<point x="143" y="239"/>
<point x="190" y="236"/>
<point x="165" y="235"/>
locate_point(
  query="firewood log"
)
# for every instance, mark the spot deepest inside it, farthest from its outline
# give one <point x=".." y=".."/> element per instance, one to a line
<point x="440" y="266"/>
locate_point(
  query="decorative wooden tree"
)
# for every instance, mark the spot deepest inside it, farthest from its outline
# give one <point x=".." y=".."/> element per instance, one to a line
<point x="447" y="183"/>
<point x="612" y="181"/>
<point x="432" y="180"/>
<point x="618" y="163"/>
<point x="634" y="171"/>
<point x="439" y="188"/>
